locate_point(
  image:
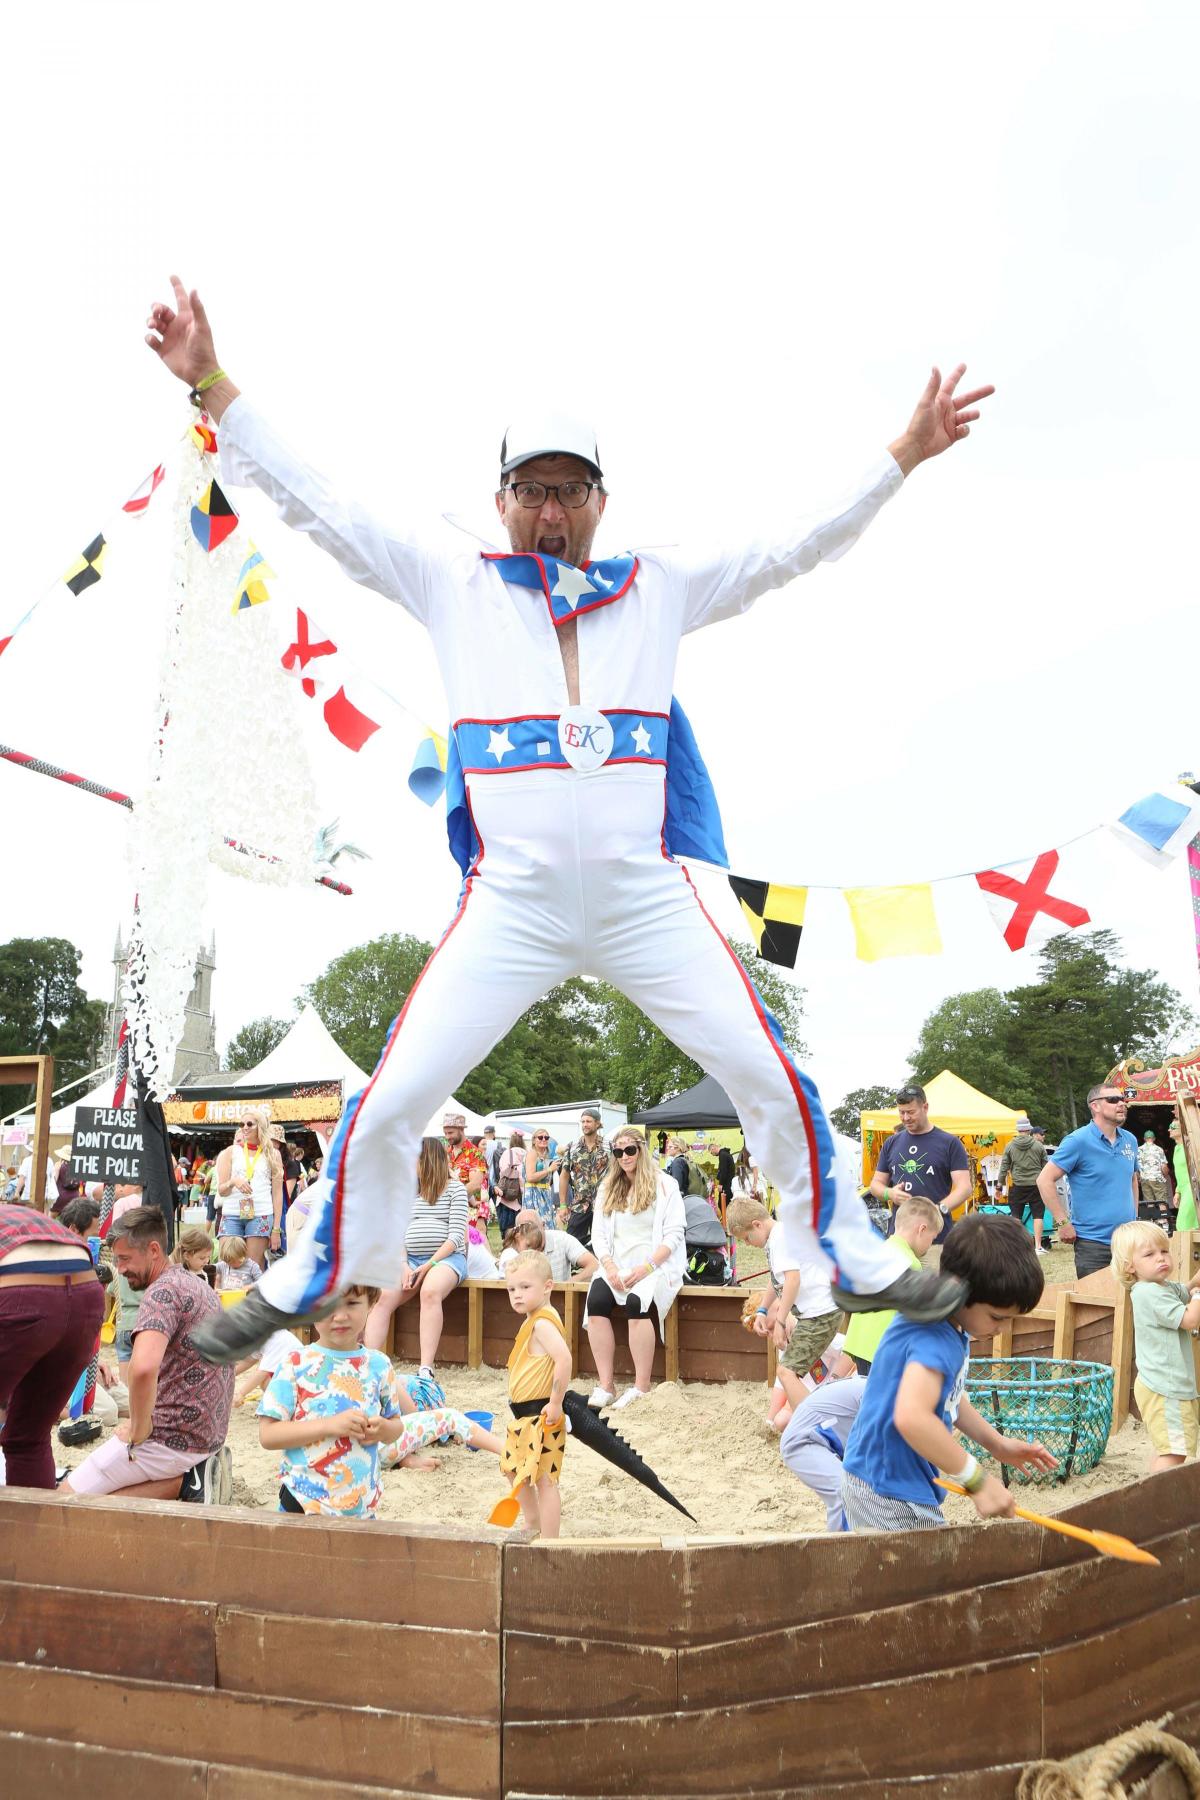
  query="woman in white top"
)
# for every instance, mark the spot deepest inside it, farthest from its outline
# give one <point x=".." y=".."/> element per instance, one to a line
<point x="748" y="1183"/>
<point x="250" y="1186"/>
<point x="638" y="1234"/>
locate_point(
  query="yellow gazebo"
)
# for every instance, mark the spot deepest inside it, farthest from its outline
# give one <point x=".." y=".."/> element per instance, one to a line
<point x="983" y="1124"/>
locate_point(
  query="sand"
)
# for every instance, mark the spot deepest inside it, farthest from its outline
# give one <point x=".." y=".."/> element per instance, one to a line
<point x="708" y="1443"/>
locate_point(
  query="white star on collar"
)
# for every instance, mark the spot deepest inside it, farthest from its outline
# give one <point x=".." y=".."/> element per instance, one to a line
<point x="641" y="739"/>
<point x="499" y="744"/>
<point x="572" y="585"/>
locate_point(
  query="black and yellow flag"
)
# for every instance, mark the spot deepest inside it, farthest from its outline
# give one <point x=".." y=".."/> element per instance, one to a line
<point x="776" y="916"/>
<point x="87" y="568"/>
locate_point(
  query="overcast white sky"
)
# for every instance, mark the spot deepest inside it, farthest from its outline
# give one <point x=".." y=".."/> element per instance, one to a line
<point x="737" y="238"/>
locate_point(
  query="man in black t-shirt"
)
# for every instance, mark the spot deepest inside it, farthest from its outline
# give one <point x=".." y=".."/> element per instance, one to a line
<point x="921" y="1158"/>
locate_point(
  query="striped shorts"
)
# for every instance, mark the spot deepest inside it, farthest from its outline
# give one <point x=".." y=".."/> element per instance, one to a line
<point x="868" y="1511"/>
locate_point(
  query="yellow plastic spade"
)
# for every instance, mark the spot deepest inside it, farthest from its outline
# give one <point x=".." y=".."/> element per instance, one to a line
<point x="1107" y="1542"/>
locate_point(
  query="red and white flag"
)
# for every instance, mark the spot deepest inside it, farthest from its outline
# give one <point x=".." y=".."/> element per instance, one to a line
<point x="1025" y="910"/>
<point x="141" y="497"/>
<point x="311" y="659"/>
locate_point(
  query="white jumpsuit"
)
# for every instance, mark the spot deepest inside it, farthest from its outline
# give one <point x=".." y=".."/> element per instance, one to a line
<point x="570" y="875"/>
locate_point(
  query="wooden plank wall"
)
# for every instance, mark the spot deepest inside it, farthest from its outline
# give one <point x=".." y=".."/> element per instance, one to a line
<point x="149" y="1648"/>
<point x="704" y="1338"/>
<point x="844" y="1667"/>
<point x="245" y="1651"/>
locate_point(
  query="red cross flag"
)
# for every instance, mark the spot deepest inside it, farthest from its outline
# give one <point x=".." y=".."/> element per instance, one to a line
<point x="1023" y="907"/>
<point x="304" y="651"/>
<point x="308" y="652"/>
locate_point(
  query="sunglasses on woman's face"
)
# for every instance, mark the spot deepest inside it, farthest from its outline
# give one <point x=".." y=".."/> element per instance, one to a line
<point x="628" y="1150"/>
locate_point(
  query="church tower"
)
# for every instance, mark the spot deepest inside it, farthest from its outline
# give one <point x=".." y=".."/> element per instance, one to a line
<point x="196" y="1054"/>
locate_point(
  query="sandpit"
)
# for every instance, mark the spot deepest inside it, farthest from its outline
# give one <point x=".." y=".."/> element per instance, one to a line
<point x="708" y="1442"/>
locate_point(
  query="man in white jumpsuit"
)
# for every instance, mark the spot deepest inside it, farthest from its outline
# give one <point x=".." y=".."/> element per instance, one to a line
<point x="566" y="819"/>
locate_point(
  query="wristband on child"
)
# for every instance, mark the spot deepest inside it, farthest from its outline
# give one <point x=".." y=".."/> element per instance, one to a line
<point x="971" y="1476"/>
<point x="762" y="1312"/>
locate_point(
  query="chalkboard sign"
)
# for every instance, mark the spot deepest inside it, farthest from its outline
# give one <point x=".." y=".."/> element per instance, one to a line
<point x="107" y="1144"/>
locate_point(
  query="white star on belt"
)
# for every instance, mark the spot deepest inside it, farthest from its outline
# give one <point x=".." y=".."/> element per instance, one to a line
<point x="571" y="585"/>
<point x="499" y="744"/>
<point x="641" y="738"/>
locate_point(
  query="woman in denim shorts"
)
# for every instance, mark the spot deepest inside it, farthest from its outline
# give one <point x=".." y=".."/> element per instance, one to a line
<point x="250" y="1187"/>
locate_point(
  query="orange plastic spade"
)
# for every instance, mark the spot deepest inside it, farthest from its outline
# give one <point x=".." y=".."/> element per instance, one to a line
<point x="1107" y="1542"/>
<point x="507" y="1511"/>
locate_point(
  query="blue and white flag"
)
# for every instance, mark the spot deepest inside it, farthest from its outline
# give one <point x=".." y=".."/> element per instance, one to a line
<point x="1159" y="826"/>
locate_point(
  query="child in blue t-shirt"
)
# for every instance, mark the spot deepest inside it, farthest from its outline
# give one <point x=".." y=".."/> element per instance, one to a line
<point x="914" y="1393"/>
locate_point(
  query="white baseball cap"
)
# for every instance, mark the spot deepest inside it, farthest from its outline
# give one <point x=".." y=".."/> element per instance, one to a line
<point x="548" y="434"/>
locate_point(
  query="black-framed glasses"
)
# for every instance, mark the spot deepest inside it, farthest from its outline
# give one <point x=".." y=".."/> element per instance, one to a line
<point x="628" y="1150"/>
<point x="1114" y="1099"/>
<point x="571" y="494"/>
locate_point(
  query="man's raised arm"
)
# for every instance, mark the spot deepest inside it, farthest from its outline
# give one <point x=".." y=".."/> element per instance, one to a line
<point x="718" y="587"/>
<point x="389" y="561"/>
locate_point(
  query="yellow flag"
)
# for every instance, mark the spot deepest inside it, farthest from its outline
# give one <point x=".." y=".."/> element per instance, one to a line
<point x="893" y="921"/>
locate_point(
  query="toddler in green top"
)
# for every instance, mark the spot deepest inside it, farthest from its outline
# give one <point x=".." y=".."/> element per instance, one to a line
<point x="1165" y="1316"/>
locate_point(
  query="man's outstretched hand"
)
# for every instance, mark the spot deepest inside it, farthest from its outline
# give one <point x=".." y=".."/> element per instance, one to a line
<point x="941" y="419"/>
<point x="182" y="338"/>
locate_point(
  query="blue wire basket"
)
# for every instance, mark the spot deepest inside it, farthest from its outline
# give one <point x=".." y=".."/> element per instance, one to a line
<point x="1065" y="1405"/>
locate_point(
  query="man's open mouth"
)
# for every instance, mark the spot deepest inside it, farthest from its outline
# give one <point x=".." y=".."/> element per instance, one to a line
<point x="552" y="546"/>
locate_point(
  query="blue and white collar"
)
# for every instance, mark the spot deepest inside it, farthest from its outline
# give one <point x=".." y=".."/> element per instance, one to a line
<point x="568" y="590"/>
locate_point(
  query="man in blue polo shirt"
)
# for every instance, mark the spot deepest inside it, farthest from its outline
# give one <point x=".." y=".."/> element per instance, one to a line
<point x="1100" y="1161"/>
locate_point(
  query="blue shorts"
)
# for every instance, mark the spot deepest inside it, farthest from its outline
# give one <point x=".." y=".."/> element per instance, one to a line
<point x="457" y="1262"/>
<point x="233" y="1226"/>
<point x="124" y="1345"/>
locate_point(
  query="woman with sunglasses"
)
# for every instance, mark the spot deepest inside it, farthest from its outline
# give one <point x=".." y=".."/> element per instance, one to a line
<point x="541" y="1170"/>
<point x="250" y="1187"/>
<point x="638" y="1234"/>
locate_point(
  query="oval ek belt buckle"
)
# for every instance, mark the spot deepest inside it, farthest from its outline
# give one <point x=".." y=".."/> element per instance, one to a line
<point x="585" y="737"/>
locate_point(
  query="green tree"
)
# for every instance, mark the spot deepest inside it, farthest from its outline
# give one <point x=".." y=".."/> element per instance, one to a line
<point x="1083" y="1016"/>
<point x="844" y="1118"/>
<point x="44" y="1011"/>
<point x="362" y="991"/>
<point x="1042" y="1046"/>
<point x="548" y="1056"/>
<point x="973" y="1035"/>
<point x="253" y="1042"/>
<point x="639" y="1065"/>
<point x="583" y="1040"/>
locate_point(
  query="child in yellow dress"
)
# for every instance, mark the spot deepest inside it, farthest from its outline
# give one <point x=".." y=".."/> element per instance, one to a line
<point x="539" y="1369"/>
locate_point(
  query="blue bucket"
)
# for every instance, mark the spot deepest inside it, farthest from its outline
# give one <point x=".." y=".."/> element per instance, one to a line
<point x="483" y="1420"/>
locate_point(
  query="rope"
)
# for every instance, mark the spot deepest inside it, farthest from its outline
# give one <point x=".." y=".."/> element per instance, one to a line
<point x="1094" y="1775"/>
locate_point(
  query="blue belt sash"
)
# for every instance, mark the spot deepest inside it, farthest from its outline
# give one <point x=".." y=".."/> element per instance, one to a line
<point x="489" y="747"/>
<point x="693" y="821"/>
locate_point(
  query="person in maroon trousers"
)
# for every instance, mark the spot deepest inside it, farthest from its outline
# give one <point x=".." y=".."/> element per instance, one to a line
<point x="51" y="1306"/>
